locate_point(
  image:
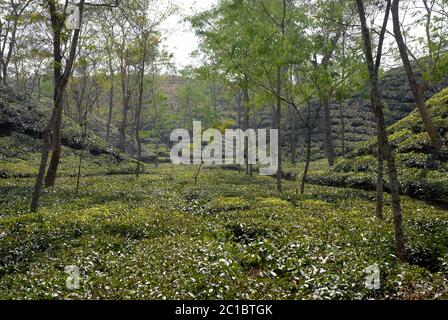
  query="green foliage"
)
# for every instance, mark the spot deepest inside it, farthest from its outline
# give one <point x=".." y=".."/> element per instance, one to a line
<point x="227" y="204"/>
<point x="155" y="238"/>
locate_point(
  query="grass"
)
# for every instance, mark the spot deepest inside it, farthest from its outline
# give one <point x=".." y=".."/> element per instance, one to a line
<point x="230" y="237"/>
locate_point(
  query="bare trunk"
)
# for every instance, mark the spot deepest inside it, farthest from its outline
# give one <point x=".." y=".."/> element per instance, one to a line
<point x="196" y="176"/>
<point x="126" y="100"/>
<point x="341" y="115"/>
<point x="139" y="147"/>
<point x="239" y="105"/>
<point x="5" y="74"/>
<point x="310" y="125"/>
<point x="278" y="113"/>
<point x="154" y="103"/>
<point x="380" y="175"/>
<point x="111" y="101"/>
<point x="46" y="145"/>
<point x="308" y="158"/>
<point x="213" y="93"/>
<point x="139" y="107"/>
<point x="124" y="124"/>
<point x="328" y="132"/>
<point x="292" y="143"/>
<point x="81" y="157"/>
<point x="246" y="99"/>
<point x="56" y="148"/>
<point x="39" y="89"/>
<point x="396" y="205"/>
<point x="278" y="124"/>
<point x="7" y="60"/>
<point x="40" y="176"/>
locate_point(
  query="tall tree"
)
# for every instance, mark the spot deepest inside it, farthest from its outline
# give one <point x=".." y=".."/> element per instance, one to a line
<point x="329" y="26"/>
<point x="108" y="35"/>
<point x="14" y="10"/>
<point x="148" y="41"/>
<point x="83" y="90"/>
<point x="62" y="68"/>
<point x="61" y="77"/>
<point x="377" y="105"/>
<point x="144" y="53"/>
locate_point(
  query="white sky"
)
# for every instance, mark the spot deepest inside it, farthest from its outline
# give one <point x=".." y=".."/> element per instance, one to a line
<point x="181" y="41"/>
<point x="179" y="38"/>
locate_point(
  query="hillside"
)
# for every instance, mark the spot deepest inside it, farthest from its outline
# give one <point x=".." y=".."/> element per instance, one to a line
<point x="21" y="114"/>
<point x="423" y="173"/>
<point x="21" y="126"/>
<point x="359" y="121"/>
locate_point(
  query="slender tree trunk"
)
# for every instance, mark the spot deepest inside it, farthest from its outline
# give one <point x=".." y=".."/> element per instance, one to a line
<point x="56" y="150"/>
<point x="380" y="174"/>
<point x="278" y="124"/>
<point x="214" y="98"/>
<point x="156" y="125"/>
<point x="124" y="121"/>
<point x="17" y="14"/>
<point x="386" y="148"/>
<point x="32" y="86"/>
<point x="98" y="101"/>
<point x="381" y="131"/>
<point x="292" y="143"/>
<point x="7" y="60"/>
<point x="395" y="194"/>
<point x="246" y="100"/>
<point x="197" y="174"/>
<point x="81" y="157"/>
<point x="325" y="97"/>
<point x="416" y="88"/>
<point x="5" y="74"/>
<point x="239" y="105"/>
<point x="39" y="89"/>
<point x="46" y="145"/>
<point x="341" y="115"/>
<point x="111" y="98"/>
<point x="126" y="100"/>
<point x="139" y="107"/>
<point x="87" y="103"/>
<point x="328" y="131"/>
<point x="310" y="125"/>
<point x="124" y="125"/>
<point x="278" y="113"/>
<point x="308" y="156"/>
